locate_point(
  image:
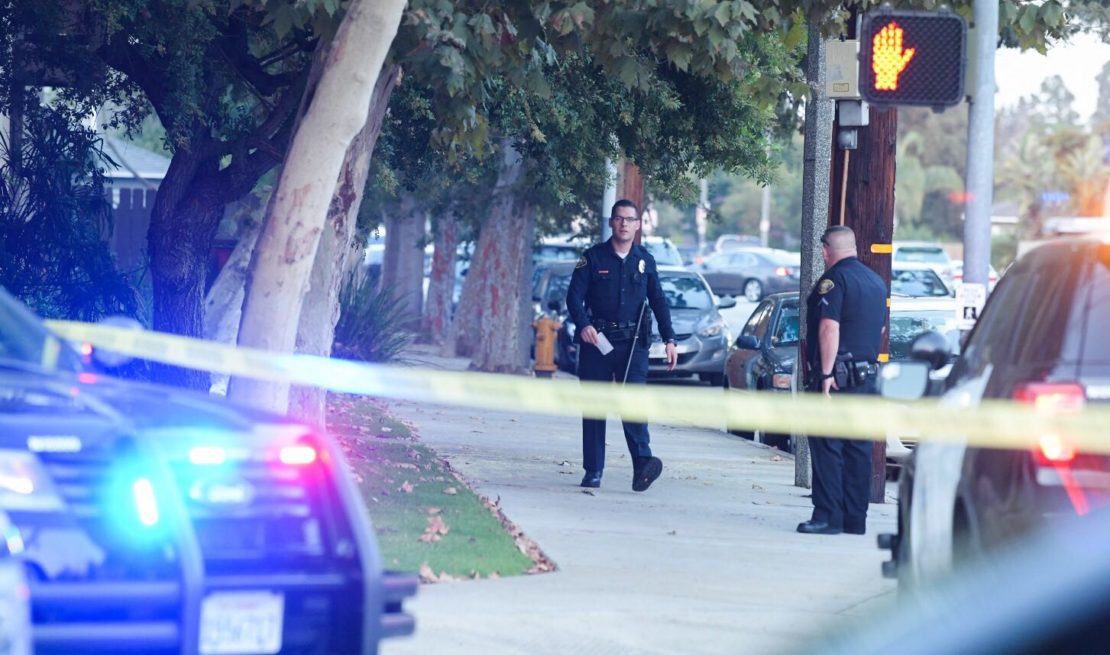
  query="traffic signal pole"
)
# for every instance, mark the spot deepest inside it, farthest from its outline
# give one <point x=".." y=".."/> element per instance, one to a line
<point x="980" y="148"/>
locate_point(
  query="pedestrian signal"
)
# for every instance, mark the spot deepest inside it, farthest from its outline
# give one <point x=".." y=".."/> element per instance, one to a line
<point x="913" y="58"/>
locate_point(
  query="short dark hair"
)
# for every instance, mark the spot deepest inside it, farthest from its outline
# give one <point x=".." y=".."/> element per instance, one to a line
<point x="835" y="229"/>
<point x="624" y="202"/>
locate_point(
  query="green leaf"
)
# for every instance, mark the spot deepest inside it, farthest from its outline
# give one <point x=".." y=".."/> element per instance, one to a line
<point x="283" y="20"/>
<point x="723" y="14"/>
<point x="1053" y="14"/>
<point x="1028" y="18"/>
<point x="680" y="55"/>
<point x="630" y="72"/>
<point x="794" y="37"/>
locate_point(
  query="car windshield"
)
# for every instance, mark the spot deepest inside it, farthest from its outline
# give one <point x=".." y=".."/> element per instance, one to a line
<point x="921" y="254"/>
<point x="685" y="292"/>
<point x="917" y="283"/>
<point x="906" y="326"/>
<point x="664" y="253"/>
<point x="557" y="286"/>
<point x="25" y="341"/>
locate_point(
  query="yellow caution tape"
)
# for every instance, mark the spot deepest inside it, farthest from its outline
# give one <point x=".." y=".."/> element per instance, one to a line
<point x="1001" y="424"/>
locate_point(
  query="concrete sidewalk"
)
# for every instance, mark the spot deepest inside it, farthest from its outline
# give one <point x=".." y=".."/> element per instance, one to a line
<point x="706" y="561"/>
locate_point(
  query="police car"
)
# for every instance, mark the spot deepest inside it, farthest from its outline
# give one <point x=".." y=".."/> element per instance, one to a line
<point x="154" y="520"/>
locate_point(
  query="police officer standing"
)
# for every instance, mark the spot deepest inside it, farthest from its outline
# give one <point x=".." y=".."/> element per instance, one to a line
<point x="612" y="285"/>
<point x="846" y="315"/>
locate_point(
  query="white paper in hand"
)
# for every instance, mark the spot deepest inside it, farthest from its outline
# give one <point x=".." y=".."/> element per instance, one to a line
<point x="603" y="344"/>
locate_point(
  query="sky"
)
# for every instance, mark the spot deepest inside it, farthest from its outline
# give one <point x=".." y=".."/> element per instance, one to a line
<point x="1020" y="74"/>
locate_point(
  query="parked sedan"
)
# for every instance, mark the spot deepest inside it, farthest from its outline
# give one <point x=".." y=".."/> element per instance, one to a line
<point x="702" y="335"/>
<point x="762" y="359"/>
<point x="917" y="281"/>
<point x="752" y="272"/>
<point x="549" y="296"/>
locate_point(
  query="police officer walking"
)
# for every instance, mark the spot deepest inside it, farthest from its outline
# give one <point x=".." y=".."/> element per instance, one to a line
<point x="610" y="290"/>
<point x="846" y="315"/>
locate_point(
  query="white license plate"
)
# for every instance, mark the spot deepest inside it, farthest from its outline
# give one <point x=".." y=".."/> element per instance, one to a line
<point x="241" y="623"/>
<point x="658" y="350"/>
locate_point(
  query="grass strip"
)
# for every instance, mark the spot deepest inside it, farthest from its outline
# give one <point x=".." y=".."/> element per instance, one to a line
<point x="427" y="519"/>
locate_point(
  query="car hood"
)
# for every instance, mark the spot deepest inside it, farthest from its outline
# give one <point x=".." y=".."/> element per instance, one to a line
<point x="685" y="321"/>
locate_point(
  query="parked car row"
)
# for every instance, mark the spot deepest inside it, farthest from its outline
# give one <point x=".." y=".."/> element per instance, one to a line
<point x="149" y="519"/>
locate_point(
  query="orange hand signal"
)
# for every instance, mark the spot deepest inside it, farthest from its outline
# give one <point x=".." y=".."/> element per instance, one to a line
<point x="888" y="60"/>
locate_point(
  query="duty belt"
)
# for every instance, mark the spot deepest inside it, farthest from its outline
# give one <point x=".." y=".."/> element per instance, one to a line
<point x="615" y="330"/>
<point x="864" y="368"/>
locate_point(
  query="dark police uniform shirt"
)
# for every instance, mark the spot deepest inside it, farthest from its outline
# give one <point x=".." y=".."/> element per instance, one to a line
<point x="607" y="288"/>
<point x="855" y="296"/>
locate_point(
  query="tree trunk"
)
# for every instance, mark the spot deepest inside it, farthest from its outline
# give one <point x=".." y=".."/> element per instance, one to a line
<point x="290" y="236"/>
<point x="223" y="306"/>
<point x="504" y="246"/>
<point x="437" y="324"/>
<point x="467" y="324"/>
<point x="182" y="225"/>
<point x="316" y="331"/>
<point x="403" y="259"/>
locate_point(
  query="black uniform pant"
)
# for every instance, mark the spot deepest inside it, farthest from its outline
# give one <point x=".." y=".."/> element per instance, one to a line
<point x="842" y="474"/>
<point x="594" y="366"/>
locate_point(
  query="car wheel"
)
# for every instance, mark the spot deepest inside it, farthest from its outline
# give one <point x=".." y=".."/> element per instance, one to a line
<point x="753" y="290"/>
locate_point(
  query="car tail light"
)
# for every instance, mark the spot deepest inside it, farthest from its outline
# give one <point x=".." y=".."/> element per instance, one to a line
<point x="1053" y="449"/>
<point x="784" y="271"/>
<point x="1054" y="397"/>
<point x="298" y="455"/>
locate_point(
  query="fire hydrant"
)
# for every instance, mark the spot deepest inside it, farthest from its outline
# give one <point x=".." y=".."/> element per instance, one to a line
<point x="547" y="334"/>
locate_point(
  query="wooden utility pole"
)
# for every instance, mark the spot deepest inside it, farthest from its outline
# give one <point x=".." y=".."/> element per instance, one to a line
<point x="861" y="196"/>
<point x="630" y="186"/>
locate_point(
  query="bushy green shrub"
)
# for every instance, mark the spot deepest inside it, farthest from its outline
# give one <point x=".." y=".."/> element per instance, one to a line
<point x="372" y="325"/>
<point x="54" y="212"/>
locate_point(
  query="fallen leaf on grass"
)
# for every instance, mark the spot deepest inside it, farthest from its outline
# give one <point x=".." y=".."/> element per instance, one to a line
<point x="435" y="529"/>
<point x="564" y="463"/>
<point x="451" y="491"/>
<point x="405" y="487"/>
<point x="386" y="428"/>
<point x="406" y="465"/>
<point x="433" y="510"/>
<point x="428" y="575"/>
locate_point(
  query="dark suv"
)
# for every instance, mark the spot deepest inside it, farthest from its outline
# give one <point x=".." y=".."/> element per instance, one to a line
<point x="154" y="520"/>
<point x="1041" y="340"/>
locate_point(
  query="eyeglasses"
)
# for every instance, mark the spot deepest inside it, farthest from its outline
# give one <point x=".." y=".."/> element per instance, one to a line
<point x="626" y="220"/>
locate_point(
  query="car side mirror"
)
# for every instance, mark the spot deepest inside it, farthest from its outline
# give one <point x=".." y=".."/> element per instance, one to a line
<point x="747" y="342"/>
<point x="931" y="348"/>
<point x="726" y="302"/>
<point x="904" y="380"/>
